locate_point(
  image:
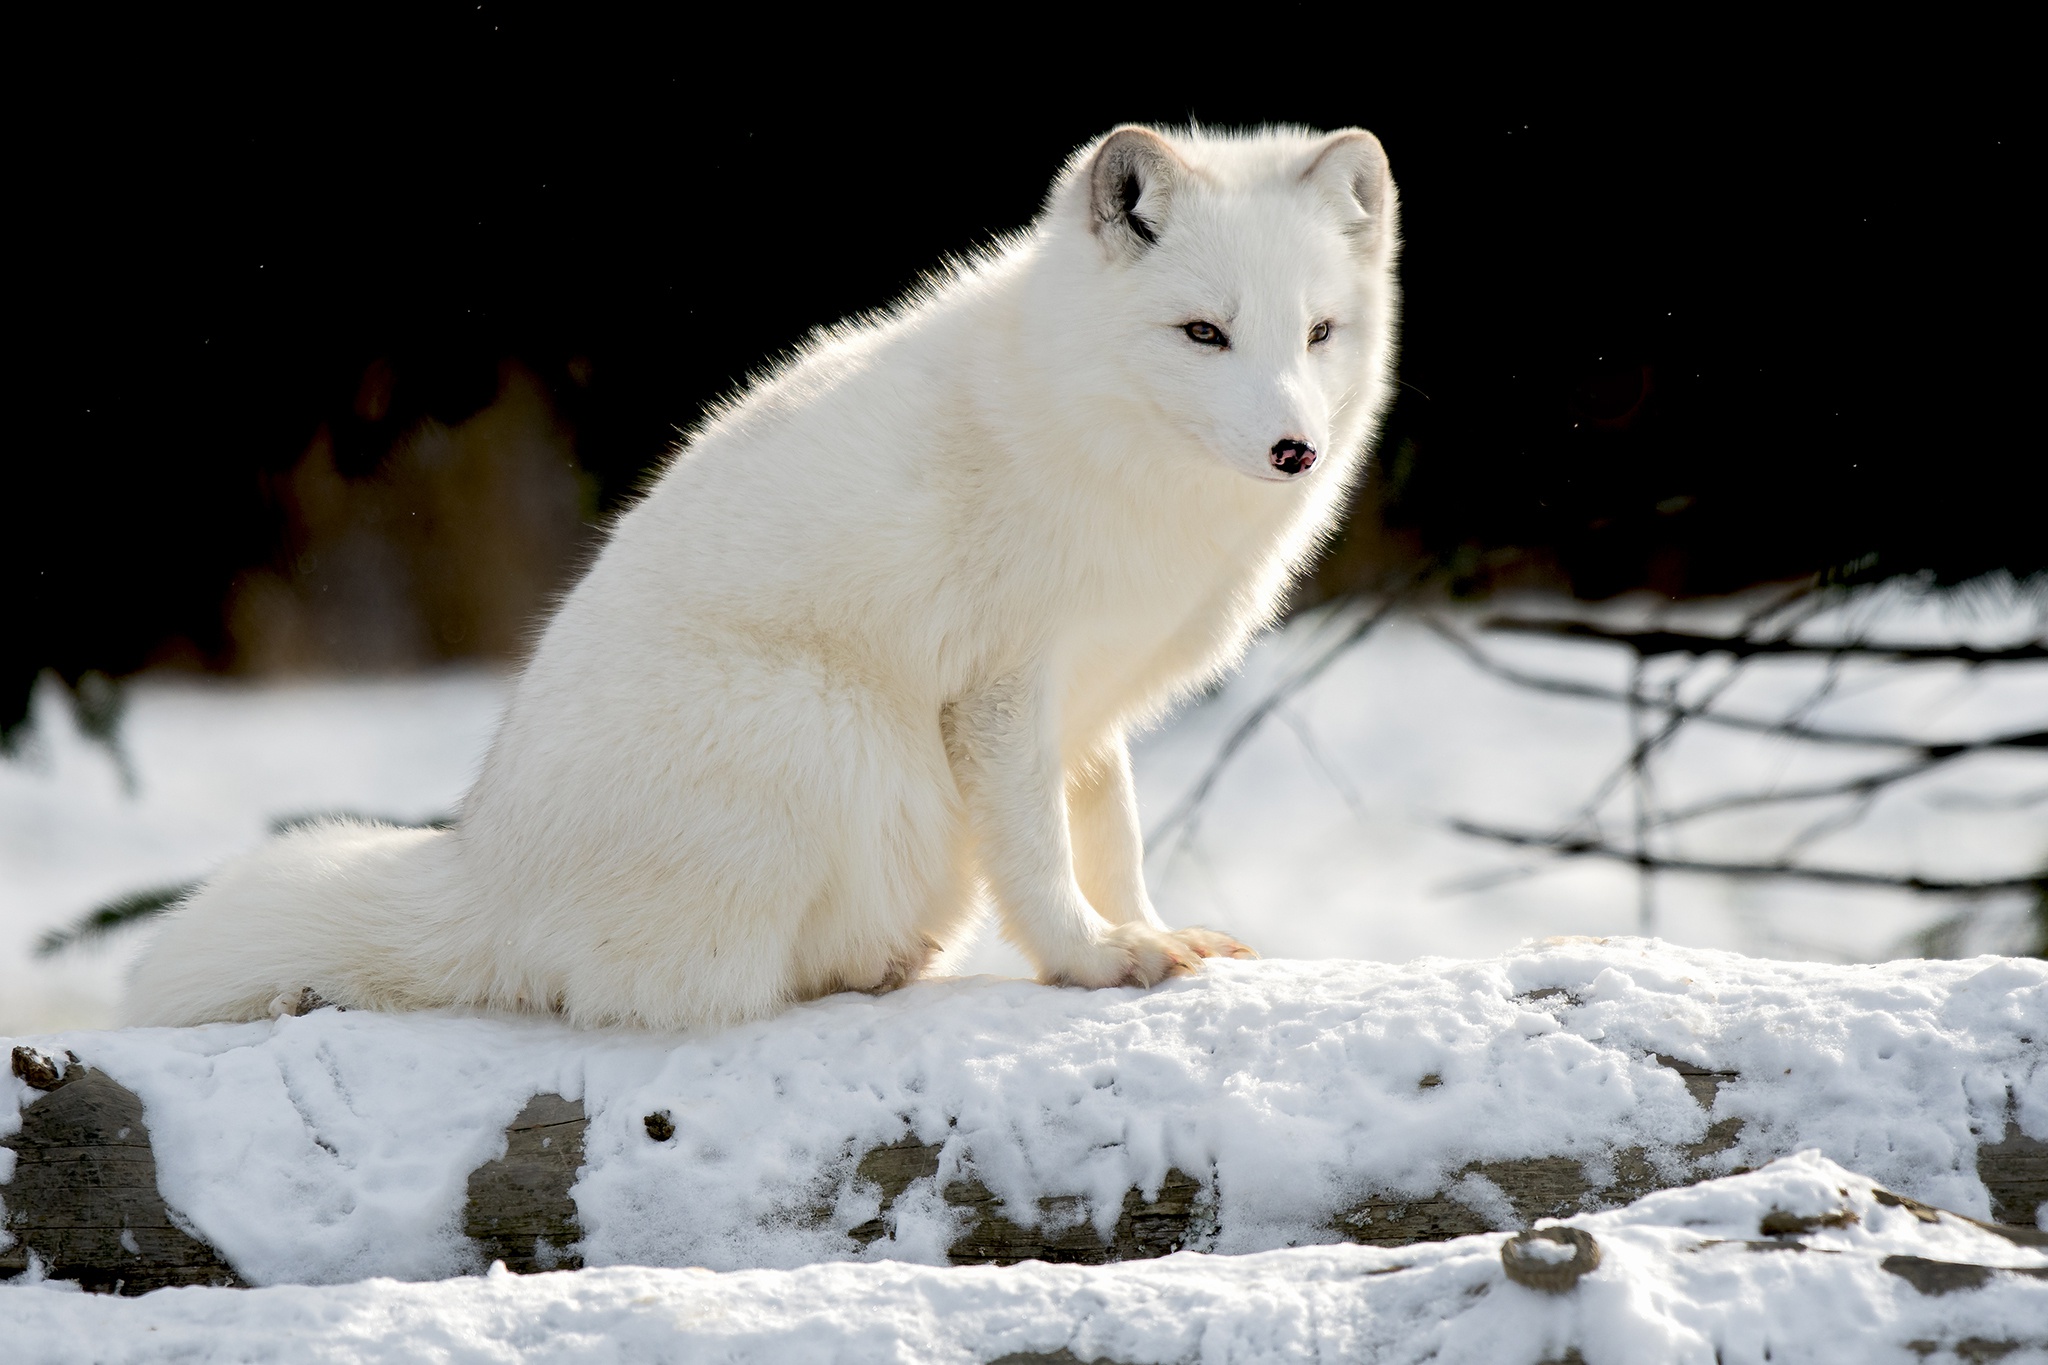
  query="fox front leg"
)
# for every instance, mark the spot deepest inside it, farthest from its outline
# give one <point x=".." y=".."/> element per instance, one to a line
<point x="1109" y="849"/>
<point x="1003" y="746"/>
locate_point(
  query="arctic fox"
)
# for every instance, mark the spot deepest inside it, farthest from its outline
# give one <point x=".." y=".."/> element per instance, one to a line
<point x="869" y="648"/>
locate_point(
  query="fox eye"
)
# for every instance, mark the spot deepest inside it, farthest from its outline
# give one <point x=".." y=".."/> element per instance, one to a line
<point x="1318" y="334"/>
<point x="1206" y="334"/>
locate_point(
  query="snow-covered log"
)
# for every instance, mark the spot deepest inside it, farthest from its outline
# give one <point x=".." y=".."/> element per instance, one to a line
<point x="1691" y="1275"/>
<point x="1258" y="1106"/>
<point x="83" y="1198"/>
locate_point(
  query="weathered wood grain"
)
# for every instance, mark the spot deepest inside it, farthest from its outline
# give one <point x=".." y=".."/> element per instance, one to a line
<point x="1180" y="1218"/>
<point x="2015" y="1172"/>
<point x="83" y="1199"/>
<point x="1540" y="1187"/>
<point x="519" y="1210"/>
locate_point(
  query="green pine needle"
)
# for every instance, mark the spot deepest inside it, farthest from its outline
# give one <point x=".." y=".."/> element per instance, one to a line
<point x="103" y="920"/>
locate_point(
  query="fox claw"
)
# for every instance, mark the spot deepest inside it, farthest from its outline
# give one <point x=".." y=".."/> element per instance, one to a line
<point x="1140" y="955"/>
<point x="1209" y="943"/>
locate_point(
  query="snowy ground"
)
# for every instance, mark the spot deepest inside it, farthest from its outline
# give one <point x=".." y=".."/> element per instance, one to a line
<point x="1327" y="835"/>
<point x="1680" y="1282"/>
<point x="301" y="1149"/>
<point x="215" y="763"/>
<point x="1330" y="832"/>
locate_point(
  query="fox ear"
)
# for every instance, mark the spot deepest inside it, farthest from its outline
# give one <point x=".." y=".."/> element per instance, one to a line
<point x="1130" y="188"/>
<point x="1350" y="167"/>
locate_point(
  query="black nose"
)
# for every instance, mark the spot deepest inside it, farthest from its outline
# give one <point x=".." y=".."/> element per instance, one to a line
<point x="1293" y="457"/>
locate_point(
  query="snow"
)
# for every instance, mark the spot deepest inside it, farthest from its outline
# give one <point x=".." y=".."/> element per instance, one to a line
<point x="1327" y="836"/>
<point x="1679" y="1281"/>
<point x="1554" y="1253"/>
<point x="216" y="762"/>
<point x="300" y="1147"/>
<point x="301" y="1150"/>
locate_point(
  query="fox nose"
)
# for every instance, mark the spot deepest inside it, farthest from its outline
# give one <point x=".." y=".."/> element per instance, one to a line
<point x="1291" y="456"/>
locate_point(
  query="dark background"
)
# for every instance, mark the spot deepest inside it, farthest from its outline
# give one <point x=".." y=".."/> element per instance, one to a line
<point x="1678" y="317"/>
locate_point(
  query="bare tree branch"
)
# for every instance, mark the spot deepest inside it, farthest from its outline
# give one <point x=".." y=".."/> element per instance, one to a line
<point x="1185" y="812"/>
<point x="1859" y="786"/>
<point x="1638" y="768"/>
<point x="1292" y="718"/>
<point x="1973" y="801"/>
<point x="1807" y="602"/>
<point x="1641" y="746"/>
<point x="1650" y="643"/>
<point x="1829" y="822"/>
<point x="1565" y="687"/>
<point x="1573" y="848"/>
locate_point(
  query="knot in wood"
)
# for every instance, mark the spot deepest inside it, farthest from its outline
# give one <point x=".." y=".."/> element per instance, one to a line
<point x="1780" y="1223"/>
<point x="1539" y="1259"/>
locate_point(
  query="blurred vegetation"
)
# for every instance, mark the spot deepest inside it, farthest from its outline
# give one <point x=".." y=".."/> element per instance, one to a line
<point x="102" y="921"/>
<point x="413" y="305"/>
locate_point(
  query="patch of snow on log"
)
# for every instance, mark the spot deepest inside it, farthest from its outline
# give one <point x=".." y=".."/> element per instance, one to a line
<point x="1683" y="1276"/>
<point x="337" y="1145"/>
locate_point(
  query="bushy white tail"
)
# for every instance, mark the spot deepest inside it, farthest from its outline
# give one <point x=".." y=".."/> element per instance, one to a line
<point x="360" y="914"/>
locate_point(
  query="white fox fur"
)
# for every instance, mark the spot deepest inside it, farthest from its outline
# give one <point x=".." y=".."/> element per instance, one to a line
<point x="872" y="643"/>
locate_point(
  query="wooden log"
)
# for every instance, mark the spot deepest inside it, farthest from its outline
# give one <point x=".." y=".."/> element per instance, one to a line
<point x="1181" y="1218"/>
<point x="83" y="1198"/>
<point x="519" y="1210"/>
<point x="1540" y="1187"/>
<point x="2015" y="1172"/>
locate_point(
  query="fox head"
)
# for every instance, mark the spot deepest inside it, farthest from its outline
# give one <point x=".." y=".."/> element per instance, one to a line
<point x="1233" y="294"/>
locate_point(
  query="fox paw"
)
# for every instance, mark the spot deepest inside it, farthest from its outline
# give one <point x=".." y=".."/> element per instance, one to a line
<point x="906" y="967"/>
<point x="1209" y="943"/>
<point x="1129" y="955"/>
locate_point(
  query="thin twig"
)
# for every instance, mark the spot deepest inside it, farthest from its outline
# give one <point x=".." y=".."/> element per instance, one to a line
<point x="1854" y="786"/>
<point x="1650" y="643"/>
<point x="1639" y="786"/>
<point x="1872" y="782"/>
<point x="1573" y="848"/>
<point x="2032" y="739"/>
<point x="1190" y="804"/>
<point x="1641" y="747"/>
<point x="1292" y="718"/>
<point x="1972" y="801"/>
<point x="1806" y="604"/>
<point x="1830" y="822"/>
